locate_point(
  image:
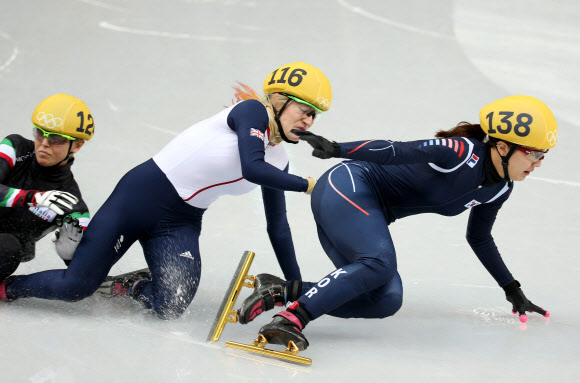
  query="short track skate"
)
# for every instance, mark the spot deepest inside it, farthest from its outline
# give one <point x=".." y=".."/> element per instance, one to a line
<point x="259" y="347"/>
<point x="226" y="312"/>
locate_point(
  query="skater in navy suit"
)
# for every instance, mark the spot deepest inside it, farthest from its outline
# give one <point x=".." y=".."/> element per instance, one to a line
<point x="468" y="168"/>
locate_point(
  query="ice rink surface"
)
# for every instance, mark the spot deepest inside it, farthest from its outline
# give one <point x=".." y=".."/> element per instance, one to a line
<point x="148" y="69"/>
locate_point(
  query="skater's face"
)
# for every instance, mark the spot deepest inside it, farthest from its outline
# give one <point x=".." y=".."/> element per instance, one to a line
<point x="51" y="152"/>
<point x="297" y="116"/>
<point x="522" y="162"/>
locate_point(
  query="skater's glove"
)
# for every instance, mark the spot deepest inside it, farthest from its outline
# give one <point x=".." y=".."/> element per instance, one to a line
<point x="521" y="304"/>
<point x="67" y="237"/>
<point x="322" y="147"/>
<point x="55" y="200"/>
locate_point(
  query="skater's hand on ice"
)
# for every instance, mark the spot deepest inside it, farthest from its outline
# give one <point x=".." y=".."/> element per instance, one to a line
<point x="67" y="237"/>
<point x="322" y="147"/>
<point x="521" y="304"/>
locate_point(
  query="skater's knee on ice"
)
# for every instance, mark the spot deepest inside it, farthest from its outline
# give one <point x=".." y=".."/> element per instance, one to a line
<point x="390" y="305"/>
<point x="169" y="312"/>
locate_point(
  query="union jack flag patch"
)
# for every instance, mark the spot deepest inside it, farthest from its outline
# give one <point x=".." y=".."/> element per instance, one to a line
<point x="257" y="133"/>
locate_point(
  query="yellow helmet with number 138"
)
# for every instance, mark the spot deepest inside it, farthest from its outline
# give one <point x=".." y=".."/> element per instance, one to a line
<point x="522" y="120"/>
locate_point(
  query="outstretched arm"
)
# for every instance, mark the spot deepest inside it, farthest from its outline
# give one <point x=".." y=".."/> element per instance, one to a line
<point x="449" y="151"/>
<point x="481" y="220"/>
<point x="279" y="232"/>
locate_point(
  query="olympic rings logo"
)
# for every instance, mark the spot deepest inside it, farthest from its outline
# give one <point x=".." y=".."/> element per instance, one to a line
<point x="323" y="103"/>
<point x="48" y="120"/>
<point x="552" y="137"/>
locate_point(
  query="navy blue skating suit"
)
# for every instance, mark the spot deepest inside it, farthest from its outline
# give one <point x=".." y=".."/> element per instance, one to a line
<point x="160" y="203"/>
<point x="355" y="201"/>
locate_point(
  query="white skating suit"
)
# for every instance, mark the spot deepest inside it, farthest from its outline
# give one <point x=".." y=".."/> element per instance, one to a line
<point x="203" y="162"/>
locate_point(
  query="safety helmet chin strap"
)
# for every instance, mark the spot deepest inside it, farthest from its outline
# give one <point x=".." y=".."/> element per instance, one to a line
<point x="277" y="119"/>
<point x="68" y="155"/>
<point x="505" y="159"/>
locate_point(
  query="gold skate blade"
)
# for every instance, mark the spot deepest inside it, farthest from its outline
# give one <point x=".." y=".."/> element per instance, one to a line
<point x="225" y="313"/>
<point x="287" y="355"/>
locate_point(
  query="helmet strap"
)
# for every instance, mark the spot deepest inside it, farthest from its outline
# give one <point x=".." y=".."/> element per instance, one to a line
<point x="277" y="119"/>
<point x="505" y="160"/>
<point x="68" y="155"/>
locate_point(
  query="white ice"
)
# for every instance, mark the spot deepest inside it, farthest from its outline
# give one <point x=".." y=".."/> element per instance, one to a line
<point x="400" y="70"/>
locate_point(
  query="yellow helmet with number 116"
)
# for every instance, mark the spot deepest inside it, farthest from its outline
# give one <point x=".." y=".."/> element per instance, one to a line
<point x="301" y="82"/>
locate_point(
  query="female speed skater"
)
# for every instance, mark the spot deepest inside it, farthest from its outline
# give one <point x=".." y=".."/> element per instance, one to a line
<point x="160" y="203"/>
<point x="468" y="168"/>
<point x="37" y="186"/>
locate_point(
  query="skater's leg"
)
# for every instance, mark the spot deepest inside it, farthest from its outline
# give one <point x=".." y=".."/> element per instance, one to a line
<point x="382" y="302"/>
<point x="10" y="255"/>
<point x="351" y="219"/>
<point x="355" y="231"/>
<point x="172" y="253"/>
<point x="117" y="225"/>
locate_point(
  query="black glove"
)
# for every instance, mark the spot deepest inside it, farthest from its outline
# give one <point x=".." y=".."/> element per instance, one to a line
<point x="322" y="147"/>
<point x="521" y="304"/>
<point x="60" y="220"/>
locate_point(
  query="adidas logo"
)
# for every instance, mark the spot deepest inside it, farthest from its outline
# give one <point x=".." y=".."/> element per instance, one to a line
<point x="187" y="254"/>
<point x="119" y="243"/>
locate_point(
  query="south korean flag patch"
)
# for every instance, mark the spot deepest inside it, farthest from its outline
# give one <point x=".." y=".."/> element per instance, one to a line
<point x="472" y="161"/>
<point x="472" y="203"/>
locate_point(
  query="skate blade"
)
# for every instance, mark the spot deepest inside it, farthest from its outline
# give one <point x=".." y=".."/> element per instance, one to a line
<point x="226" y="313"/>
<point x="258" y="346"/>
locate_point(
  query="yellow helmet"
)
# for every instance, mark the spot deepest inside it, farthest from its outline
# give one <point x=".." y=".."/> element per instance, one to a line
<point x="66" y="115"/>
<point x="302" y="83"/>
<point x="522" y="120"/>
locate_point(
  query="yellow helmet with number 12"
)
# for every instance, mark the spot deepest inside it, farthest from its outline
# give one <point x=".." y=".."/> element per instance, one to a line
<point x="64" y="114"/>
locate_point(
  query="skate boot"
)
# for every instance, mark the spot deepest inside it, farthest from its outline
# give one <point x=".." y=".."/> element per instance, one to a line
<point x="287" y="327"/>
<point x="122" y="285"/>
<point x="269" y="291"/>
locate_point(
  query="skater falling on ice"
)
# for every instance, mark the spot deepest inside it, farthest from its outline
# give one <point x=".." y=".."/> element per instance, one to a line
<point x="468" y="168"/>
<point x="160" y="203"/>
<point x="37" y="187"/>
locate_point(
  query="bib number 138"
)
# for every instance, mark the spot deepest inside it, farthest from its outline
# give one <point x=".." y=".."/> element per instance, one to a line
<point x="521" y="128"/>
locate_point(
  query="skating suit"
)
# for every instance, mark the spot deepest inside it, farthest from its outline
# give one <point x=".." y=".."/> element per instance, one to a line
<point x="20" y="172"/>
<point x="355" y="201"/>
<point x="160" y="203"/>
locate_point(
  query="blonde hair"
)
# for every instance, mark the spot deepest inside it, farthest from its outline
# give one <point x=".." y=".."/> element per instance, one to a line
<point x="272" y="101"/>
